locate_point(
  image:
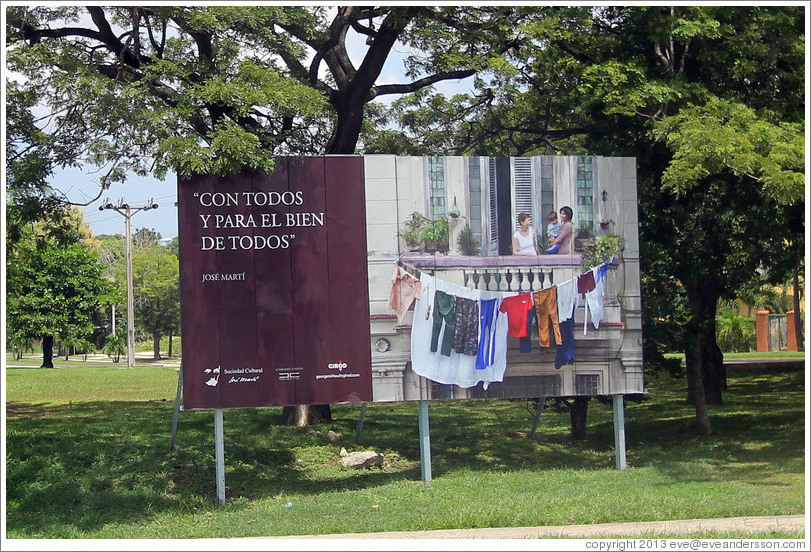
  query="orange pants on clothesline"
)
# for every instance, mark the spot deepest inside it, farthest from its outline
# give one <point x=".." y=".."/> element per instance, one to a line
<point x="546" y="307"/>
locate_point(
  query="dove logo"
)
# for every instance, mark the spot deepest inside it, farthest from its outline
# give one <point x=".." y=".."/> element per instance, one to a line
<point x="214" y="378"/>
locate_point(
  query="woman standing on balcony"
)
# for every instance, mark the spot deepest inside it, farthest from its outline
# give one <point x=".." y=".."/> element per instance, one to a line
<point x="565" y="235"/>
<point x="524" y="240"/>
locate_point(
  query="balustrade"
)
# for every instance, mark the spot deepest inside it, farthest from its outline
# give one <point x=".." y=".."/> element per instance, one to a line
<point x="508" y="274"/>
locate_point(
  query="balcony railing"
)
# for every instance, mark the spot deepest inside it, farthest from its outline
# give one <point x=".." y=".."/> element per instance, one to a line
<point x="508" y="273"/>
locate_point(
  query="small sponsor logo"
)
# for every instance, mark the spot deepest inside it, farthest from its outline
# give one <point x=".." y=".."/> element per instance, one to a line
<point x="340" y="366"/>
<point x="214" y="378"/>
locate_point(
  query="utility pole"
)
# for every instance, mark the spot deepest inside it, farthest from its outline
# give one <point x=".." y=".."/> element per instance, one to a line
<point x="128" y="211"/>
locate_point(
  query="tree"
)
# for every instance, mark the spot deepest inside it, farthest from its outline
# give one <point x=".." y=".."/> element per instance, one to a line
<point x="54" y="291"/>
<point x="157" y="294"/>
<point x="155" y="281"/>
<point x="214" y="89"/>
<point x="710" y="102"/>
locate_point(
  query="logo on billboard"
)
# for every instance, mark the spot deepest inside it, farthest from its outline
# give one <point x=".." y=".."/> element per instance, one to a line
<point x="215" y="376"/>
<point x="340" y="366"/>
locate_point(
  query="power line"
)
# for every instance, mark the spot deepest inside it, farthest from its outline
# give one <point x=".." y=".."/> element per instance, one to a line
<point x="128" y="211"/>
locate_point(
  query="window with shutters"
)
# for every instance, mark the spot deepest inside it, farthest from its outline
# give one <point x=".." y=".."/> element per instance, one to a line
<point x="545" y="385"/>
<point x="523" y="191"/>
<point x="440" y="391"/>
<point x="493" y="204"/>
<point x="476" y="198"/>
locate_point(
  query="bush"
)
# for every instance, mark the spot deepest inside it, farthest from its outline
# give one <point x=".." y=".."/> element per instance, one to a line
<point x="601" y="250"/>
<point x="735" y="332"/>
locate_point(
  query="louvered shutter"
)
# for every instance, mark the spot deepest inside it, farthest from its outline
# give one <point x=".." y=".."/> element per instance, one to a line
<point x="523" y="192"/>
<point x="491" y="186"/>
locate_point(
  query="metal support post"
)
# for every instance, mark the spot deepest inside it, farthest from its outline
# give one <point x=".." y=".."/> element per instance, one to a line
<point x="177" y="407"/>
<point x="219" y="455"/>
<point x="541" y="404"/>
<point x="425" y="442"/>
<point x="619" y="431"/>
<point x="362" y="418"/>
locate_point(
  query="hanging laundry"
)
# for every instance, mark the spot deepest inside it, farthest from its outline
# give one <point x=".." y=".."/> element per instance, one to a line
<point x="456" y="369"/>
<point x="596" y="298"/>
<point x="565" y="350"/>
<point x="466" y="329"/>
<point x="517" y="307"/>
<point x="444" y="313"/>
<point x="546" y="308"/>
<point x="585" y="282"/>
<point x="488" y="320"/>
<point x="525" y="343"/>
<point x="568" y="299"/>
<point x="405" y="289"/>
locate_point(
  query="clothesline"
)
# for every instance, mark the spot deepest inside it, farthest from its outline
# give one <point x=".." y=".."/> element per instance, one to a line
<point x="459" y="334"/>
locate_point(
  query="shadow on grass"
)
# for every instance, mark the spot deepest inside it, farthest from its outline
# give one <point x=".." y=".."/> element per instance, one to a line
<point x="82" y="466"/>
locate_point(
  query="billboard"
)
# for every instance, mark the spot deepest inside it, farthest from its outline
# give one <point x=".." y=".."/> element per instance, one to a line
<point x="274" y="286"/>
<point x="299" y="287"/>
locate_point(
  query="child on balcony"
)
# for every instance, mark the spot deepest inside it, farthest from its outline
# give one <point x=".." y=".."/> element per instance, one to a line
<point x="552" y="230"/>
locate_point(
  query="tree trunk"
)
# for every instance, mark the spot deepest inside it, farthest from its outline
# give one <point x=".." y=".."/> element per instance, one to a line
<point x="695" y="389"/>
<point x="303" y="415"/>
<point x="170" y="343"/>
<point x="578" y="413"/>
<point x="798" y="327"/>
<point x="715" y="374"/>
<point x="706" y="375"/>
<point x="345" y="136"/>
<point x="47" y="351"/>
<point x="156" y="347"/>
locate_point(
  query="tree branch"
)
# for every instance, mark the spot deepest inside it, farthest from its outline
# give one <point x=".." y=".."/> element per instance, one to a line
<point x="421" y="83"/>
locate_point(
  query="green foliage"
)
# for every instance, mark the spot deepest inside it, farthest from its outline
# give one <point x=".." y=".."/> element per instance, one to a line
<point x="467" y="241"/>
<point x="736" y="333"/>
<point x="413" y="228"/>
<point x="436" y="230"/>
<point x="215" y="89"/>
<point x="155" y="277"/>
<point x="724" y="136"/>
<point x="115" y="344"/>
<point x="28" y="166"/>
<point x="601" y="250"/>
<point x="55" y="290"/>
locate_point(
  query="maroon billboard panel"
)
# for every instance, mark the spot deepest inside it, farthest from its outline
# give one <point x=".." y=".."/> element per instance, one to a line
<point x="274" y="286"/>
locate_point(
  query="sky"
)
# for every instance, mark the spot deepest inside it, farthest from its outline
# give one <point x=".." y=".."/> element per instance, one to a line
<point x="82" y="186"/>
<point x="136" y="191"/>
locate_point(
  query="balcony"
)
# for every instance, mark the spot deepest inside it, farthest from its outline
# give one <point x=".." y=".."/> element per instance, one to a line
<point x="608" y="358"/>
<point x="507" y="274"/>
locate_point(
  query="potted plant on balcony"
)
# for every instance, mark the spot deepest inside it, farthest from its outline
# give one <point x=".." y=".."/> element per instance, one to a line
<point x="435" y="236"/>
<point x="413" y="228"/>
<point x="602" y="249"/>
<point x="583" y="236"/>
<point x="468" y="243"/>
<point x="441" y="227"/>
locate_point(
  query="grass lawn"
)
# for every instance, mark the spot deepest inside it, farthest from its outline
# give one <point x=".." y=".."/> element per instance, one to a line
<point x="88" y="457"/>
